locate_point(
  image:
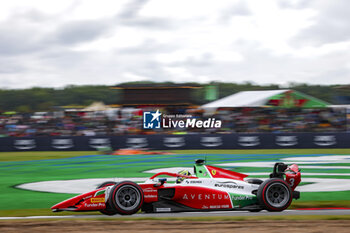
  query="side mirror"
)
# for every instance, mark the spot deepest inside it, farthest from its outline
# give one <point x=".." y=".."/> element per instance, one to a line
<point x="200" y="161"/>
<point x="161" y="182"/>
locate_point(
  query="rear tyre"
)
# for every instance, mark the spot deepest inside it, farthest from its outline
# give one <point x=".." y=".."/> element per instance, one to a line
<point x="274" y="195"/>
<point x="108" y="210"/>
<point x="126" y="198"/>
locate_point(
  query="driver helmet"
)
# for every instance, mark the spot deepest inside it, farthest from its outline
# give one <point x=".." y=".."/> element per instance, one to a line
<point x="179" y="179"/>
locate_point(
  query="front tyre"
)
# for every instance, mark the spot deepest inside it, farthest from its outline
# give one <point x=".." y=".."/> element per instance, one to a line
<point x="105" y="184"/>
<point x="274" y="195"/>
<point x="108" y="210"/>
<point x="126" y="198"/>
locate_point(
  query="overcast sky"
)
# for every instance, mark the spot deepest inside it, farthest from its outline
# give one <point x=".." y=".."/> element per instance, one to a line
<point x="57" y="43"/>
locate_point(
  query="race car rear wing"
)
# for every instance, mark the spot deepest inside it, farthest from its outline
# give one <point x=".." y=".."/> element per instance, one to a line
<point x="292" y="173"/>
<point x="278" y="170"/>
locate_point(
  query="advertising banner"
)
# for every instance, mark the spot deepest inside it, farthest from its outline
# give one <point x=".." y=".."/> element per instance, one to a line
<point x="178" y="142"/>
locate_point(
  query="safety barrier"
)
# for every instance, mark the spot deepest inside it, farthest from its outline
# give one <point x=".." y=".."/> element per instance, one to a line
<point x="189" y="141"/>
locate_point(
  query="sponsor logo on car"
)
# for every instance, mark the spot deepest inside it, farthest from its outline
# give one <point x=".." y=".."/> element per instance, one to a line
<point x="194" y="182"/>
<point x="242" y="198"/>
<point x="99" y="204"/>
<point x="219" y="206"/>
<point x="149" y="190"/>
<point x="97" y="199"/>
<point x="202" y="196"/>
<point x="231" y="185"/>
<point x="216" y="207"/>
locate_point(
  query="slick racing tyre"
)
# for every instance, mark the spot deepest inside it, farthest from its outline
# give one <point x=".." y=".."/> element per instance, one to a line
<point x="274" y="195"/>
<point x="105" y="184"/>
<point x="126" y="198"/>
<point x="108" y="210"/>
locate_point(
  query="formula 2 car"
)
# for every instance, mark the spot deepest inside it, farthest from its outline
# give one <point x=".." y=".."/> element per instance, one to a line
<point x="211" y="188"/>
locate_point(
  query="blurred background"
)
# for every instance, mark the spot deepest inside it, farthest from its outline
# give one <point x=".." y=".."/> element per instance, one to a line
<point x="117" y="110"/>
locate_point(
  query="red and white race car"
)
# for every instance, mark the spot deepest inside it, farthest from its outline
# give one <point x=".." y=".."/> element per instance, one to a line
<point x="211" y="188"/>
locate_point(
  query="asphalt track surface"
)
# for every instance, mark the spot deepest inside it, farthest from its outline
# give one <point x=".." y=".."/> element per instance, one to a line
<point x="195" y="214"/>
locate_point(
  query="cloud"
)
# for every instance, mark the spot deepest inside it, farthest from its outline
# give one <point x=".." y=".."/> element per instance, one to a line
<point x="330" y="25"/>
<point x="81" y="31"/>
<point x="264" y="66"/>
<point x="270" y="41"/>
<point x="10" y="65"/>
<point x="130" y="16"/>
<point x="31" y="31"/>
<point x="31" y="15"/>
<point x="203" y="60"/>
<point x="132" y="8"/>
<point x="294" y="4"/>
<point x="21" y="33"/>
<point x="239" y="9"/>
<point x="148" y="46"/>
<point x="19" y="40"/>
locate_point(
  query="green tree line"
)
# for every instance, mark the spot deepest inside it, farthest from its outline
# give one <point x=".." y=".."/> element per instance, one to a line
<point x="49" y="99"/>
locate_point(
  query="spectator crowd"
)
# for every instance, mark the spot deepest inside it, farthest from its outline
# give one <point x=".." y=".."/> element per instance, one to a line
<point x="236" y="120"/>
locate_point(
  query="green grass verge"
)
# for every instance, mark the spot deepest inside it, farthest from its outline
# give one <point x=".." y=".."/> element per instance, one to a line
<point x="319" y="204"/>
<point x="23" y="167"/>
<point x="39" y="155"/>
